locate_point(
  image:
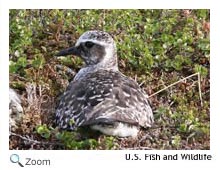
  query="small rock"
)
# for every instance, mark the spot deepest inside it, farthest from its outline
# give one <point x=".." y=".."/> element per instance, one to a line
<point x="15" y="109"/>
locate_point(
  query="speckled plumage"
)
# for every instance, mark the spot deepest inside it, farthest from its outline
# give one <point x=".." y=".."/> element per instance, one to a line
<point x="100" y="96"/>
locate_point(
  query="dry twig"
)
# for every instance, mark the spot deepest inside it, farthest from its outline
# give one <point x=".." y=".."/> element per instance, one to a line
<point x="192" y="75"/>
<point x="35" y="141"/>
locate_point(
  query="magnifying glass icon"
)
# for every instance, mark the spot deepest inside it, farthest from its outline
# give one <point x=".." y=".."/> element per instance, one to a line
<point x="14" y="158"/>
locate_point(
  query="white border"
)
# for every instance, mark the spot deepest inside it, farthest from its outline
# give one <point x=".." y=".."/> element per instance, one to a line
<point x="109" y="159"/>
<point x="108" y="4"/>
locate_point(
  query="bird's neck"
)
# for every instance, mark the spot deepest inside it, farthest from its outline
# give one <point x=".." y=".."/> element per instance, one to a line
<point x="108" y="63"/>
<point x="111" y="65"/>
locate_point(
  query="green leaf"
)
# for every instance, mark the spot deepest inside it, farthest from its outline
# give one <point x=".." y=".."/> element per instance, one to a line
<point x="201" y="69"/>
<point x="22" y="61"/>
<point x="38" y="62"/>
<point x="43" y="131"/>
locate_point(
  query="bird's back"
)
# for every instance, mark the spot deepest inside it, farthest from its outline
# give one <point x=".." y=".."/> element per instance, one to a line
<point x="103" y="97"/>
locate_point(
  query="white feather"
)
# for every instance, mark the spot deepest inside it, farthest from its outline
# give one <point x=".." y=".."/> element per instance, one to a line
<point x="122" y="130"/>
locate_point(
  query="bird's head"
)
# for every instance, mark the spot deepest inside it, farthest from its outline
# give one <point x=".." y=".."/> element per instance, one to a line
<point x="95" y="48"/>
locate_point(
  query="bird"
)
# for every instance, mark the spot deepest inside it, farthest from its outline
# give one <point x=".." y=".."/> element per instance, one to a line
<point x="100" y="96"/>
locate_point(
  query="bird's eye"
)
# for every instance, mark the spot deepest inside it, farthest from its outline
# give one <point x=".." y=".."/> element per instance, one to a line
<point x="89" y="44"/>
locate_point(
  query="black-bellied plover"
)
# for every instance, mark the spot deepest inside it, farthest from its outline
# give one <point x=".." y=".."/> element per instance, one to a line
<point x="100" y="96"/>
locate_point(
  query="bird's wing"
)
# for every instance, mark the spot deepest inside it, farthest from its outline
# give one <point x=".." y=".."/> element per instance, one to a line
<point x="105" y="97"/>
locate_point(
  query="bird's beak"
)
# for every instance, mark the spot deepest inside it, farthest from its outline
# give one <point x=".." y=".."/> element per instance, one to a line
<point x="69" y="51"/>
